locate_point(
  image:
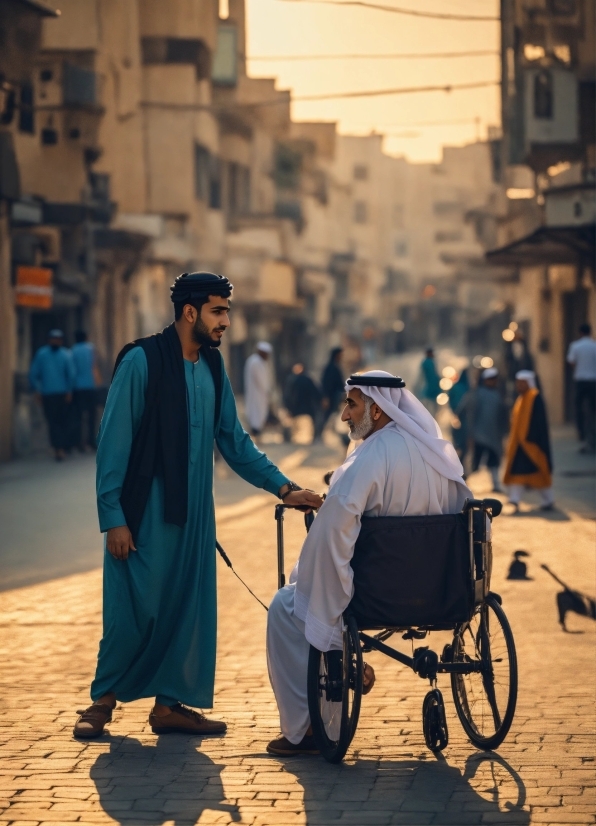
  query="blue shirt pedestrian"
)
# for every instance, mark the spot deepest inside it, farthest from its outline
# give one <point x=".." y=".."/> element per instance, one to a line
<point x="83" y="356"/>
<point x="52" y="371"/>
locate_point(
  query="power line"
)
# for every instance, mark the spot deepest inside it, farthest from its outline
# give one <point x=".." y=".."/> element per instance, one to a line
<point x="393" y="56"/>
<point x="429" y="123"/>
<point x="398" y="10"/>
<point x="205" y="107"/>
<point x="402" y="90"/>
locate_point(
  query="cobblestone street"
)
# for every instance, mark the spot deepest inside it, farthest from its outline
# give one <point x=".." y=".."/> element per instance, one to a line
<point x="544" y="773"/>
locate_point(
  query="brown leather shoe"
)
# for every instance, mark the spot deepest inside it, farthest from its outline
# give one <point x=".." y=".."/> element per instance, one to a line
<point x="284" y="748"/>
<point x="92" y="721"/>
<point x="186" y="721"/>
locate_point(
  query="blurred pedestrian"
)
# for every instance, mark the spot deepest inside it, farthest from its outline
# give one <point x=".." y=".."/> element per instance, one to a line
<point x="518" y="356"/>
<point x="582" y="355"/>
<point x="529" y="463"/>
<point x="302" y="397"/>
<point x="430" y="381"/>
<point x="257" y="387"/>
<point x="85" y="391"/>
<point x="459" y="426"/>
<point x="486" y="418"/>
<point x="52" y="378"/>
<point x="332" y="384"/>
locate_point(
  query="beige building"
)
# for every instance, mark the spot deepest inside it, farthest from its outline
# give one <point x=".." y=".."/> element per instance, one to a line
<point x="21" y="27"/>
<point x="548" y="160"/>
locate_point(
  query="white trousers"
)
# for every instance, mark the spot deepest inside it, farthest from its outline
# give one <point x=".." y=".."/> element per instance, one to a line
<point x="547" y="496"/>
<point x="287" y="662"/>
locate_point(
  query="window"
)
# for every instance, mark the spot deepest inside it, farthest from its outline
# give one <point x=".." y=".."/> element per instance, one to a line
<point x="214" y="183"/>
<point x="26" y="115"/>
<point x="360" y="172"/>
<point x="396" y="280"/>
<point x="201" y="172"/>
<point x="447" y="237"/>
<point x="443" y="208"/>
<point x="401" y="248"/>
<point x="225" y="61"/>
<point x="79" y="86"/>
<point x="238" y="189"/>
<point x="183" y="50"/>
<point x="360" y="212"/>
<point x="543" y="95"/>
<point x="207" y="177"/>
<point x="288" y="165"/>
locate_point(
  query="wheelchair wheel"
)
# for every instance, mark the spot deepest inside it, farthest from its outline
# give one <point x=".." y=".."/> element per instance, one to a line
<point x="485" y="699"/>
<point x="434" y="721"/>
<point x="335" y="693"/>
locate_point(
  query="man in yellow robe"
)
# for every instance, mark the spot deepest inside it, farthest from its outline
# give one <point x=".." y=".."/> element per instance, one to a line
<point x="529" y="462"/>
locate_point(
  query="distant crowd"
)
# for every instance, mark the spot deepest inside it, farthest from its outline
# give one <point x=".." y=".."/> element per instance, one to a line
<point x="66" y="383"/>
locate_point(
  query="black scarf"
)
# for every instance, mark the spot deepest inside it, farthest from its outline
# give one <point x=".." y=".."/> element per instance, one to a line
<point x="160" y="446"/>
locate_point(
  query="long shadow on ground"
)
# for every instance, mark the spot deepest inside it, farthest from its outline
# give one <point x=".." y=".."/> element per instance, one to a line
<point x="169" y="782"/>
<point x="412" y="791"/>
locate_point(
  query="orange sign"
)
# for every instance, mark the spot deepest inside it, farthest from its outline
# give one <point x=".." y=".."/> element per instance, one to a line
<point x="34" y="287"/>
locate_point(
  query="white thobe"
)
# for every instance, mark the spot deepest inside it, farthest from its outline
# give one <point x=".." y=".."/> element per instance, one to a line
<point x="385" y="476"/>
<point x="257" y="391"/>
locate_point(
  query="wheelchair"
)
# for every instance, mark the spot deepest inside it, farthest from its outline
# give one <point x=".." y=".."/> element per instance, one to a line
<point x="414" y="575"/>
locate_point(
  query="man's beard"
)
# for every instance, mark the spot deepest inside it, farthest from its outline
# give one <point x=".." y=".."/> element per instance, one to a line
<point x="201" y="334"/>
<point x="364" y="427"/>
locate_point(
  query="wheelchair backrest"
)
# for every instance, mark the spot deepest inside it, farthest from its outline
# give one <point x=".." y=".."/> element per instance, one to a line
<point x="413" y="571"/>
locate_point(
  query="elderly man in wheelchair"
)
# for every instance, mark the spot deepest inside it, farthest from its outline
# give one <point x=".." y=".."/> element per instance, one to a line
<point x="399" y="544"/>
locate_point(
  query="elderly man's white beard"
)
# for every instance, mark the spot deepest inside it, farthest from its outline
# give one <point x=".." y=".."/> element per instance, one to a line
<point x="363" y="429"/>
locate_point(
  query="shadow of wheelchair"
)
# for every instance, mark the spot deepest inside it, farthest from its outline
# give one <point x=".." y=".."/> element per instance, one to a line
<point x="413" y="791"/>
<point x="167" y="781"/>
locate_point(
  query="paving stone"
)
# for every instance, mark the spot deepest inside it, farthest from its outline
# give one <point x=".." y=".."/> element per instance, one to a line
<point x="131" y="777"/>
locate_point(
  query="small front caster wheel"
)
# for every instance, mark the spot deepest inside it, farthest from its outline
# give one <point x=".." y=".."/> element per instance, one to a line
<point x="434" y="721"/>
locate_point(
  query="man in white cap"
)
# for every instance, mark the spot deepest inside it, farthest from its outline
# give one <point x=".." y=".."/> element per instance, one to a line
<point x="257" y="387"/>
<point x="403" y="467"/>
<point x="486" y="414"/>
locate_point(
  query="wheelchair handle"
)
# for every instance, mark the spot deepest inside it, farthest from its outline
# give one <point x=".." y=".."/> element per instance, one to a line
<point x="279" y="518"/>
<point x="493" y="505"/>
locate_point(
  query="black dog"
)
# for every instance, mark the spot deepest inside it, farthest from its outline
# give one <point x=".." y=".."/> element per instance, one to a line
<point x="569" y="600"/>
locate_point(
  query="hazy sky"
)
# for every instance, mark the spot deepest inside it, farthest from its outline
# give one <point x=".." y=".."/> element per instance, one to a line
<point x="279" y="27"/>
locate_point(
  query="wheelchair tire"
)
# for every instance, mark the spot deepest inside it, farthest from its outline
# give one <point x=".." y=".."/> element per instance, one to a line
<point x="485" y="700"/>
<point x="434" y="721"/>
<point x="335" y="693"/>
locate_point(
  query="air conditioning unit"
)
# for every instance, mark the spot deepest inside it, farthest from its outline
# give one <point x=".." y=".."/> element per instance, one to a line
<point x="551" y="106"/>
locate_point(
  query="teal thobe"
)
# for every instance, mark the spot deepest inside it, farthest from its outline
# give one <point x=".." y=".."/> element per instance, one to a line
<point x="159" y="605"/>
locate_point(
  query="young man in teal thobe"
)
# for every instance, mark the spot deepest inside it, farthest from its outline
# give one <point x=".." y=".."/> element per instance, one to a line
<point x="170" y="400"/>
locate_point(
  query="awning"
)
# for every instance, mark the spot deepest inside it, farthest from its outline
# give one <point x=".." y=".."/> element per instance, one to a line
<point x="43" y="9"/>
<point x="549" y="245"/>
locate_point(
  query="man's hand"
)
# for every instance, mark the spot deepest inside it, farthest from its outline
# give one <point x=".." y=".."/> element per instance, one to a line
<point x="119" y="542"/>
<point x="68" y="398"/>
<point x="306" y="500"/>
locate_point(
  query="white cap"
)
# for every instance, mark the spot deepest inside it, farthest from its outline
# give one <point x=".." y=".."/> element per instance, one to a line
<point x="490" y="373"/>
<point x="527" y="375"/>
<point x="264" y="347"/>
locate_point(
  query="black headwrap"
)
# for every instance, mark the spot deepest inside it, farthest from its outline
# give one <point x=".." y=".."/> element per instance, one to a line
<point x="197" y="286"/>
<point x="376" y="381"/>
